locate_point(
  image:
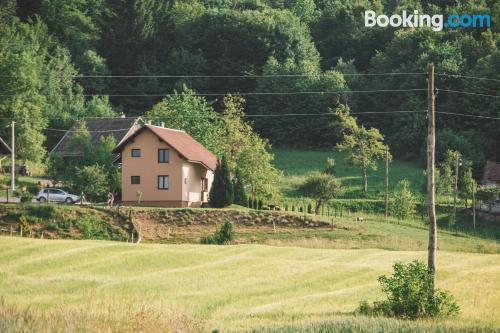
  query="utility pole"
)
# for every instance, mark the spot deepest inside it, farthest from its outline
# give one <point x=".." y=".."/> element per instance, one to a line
<point x="386" y="181"/>
<point x="474" y="205"/>
<point x="431" y="181"/>
<point x="13" y="162"/>
<point x="456" y="187"/>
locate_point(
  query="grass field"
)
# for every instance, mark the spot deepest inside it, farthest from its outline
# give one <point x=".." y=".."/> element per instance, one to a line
<point x="232" y="288"/>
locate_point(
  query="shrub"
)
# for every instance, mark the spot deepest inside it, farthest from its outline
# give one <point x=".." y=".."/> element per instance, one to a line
<point x="92" y="228"/>
<point x="223" y="236"/>
<point x="410" y="295"/>
<point x="26" y="197"/>
<point x="47" y="211"/>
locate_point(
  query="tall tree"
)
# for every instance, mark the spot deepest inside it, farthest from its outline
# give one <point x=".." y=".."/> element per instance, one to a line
<point x="364" y="146"/>
<point x="221" y="193"/>
<point x="247" y="152"/>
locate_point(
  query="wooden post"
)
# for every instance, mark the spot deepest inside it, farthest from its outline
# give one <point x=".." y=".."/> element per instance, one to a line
<point x="474" y="206"/>
<point x="21" y="231"/>
<point x="431" y="181"/>
<point x="11" y="231"/>
<point x="456" y="188"/>
<point x="386" y="197"/>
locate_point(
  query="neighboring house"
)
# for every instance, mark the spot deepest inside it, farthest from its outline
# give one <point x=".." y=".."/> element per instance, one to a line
<point x="167" y="166"/>
<point x="4" y="150"/>
<point x="491" y="173"/>
<point x="119" y="128"/>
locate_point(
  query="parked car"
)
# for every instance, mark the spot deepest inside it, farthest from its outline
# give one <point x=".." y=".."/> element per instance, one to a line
<point x="56" y="195"/>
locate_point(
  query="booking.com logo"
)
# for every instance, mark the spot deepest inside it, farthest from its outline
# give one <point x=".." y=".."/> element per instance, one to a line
<point x="436" y="22"/>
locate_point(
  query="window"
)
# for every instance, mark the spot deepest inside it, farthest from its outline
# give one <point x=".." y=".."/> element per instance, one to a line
<point x="204" y="184"/>
<point x="135" y="180"/>
<point x="163" y="155"/>
<point x="163" y="182"/>
<point x="136" y="152"/>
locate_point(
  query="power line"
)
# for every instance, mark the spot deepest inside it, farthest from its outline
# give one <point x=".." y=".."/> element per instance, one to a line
<point x="469" y="93"/>
<point x="470" y="77"/>
<point x="468" y="115"/>
<point x="230" y="76"/>
<point x="256" y="93"/>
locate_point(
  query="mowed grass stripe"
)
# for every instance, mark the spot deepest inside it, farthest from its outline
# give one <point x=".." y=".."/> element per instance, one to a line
<point x="233" y="286"/>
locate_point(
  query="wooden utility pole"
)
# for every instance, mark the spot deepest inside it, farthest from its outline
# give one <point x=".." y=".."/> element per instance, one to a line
<point x="386" y="198"/>
<point x="474" y="205"/>
<point x="431" y="181"/>
<point x="13" y="161"/>
<point x="456" y="187"/>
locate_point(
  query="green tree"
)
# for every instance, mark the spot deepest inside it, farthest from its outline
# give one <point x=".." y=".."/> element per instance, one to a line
<point x="321" y="187"/>
<point x="364" y="146"/>
<point x="248" y="153"/>
<point x="467" y="183"/>
<point x="404" y="203"/>
<point x="193" y="114"/>
<point x="240" y="196"/>
<point x="221" y="193"/>
<point x="92" y="181"/>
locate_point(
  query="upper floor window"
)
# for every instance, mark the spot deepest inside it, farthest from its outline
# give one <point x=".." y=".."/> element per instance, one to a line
<point x="163" y="155"/>
<point x="136" y="152"/>
<point x="135" y="180"/>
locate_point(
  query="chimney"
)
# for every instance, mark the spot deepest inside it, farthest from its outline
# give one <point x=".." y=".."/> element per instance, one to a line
<point x="162" y="124"/>
<point x="148" y="122"/>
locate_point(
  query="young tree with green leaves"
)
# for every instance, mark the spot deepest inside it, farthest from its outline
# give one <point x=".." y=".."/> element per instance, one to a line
<point x="92" y="181"/>
<point x="322" y="187"/>
<point x="221" y="193"/>
<point x="248" y="153"/>
<point x="404" y="203"/>
<point x="240" y="196"/>
<point x="364" y="146"/>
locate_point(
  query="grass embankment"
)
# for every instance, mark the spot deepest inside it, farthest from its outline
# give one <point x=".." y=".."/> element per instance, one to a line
<point x="63" y="221"/>
<point x="226" y="287"/>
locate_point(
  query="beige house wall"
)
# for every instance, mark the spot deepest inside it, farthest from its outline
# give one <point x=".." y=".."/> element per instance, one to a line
<point x="184" y="177"/>
<point x="193" y="173"/>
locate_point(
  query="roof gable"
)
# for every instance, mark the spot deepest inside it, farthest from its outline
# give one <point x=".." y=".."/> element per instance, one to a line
<point x="180" y="141"/>
<point x="4" y="148"/>
<point x="491" y="172"/>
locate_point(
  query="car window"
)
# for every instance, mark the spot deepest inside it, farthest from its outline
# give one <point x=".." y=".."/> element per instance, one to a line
<point x="54" y="191"/>
<point x="45" y="191"/>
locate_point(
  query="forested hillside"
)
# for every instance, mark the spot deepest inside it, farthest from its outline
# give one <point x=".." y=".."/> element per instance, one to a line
<point x="61" y="60"/>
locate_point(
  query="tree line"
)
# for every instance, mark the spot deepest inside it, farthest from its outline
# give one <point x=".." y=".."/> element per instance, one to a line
<point x="56" y="57"/>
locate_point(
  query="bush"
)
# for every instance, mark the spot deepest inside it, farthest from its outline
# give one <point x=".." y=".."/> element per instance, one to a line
<point x="92" y="228"/>
<point x="223" y="236"/>
<point x="26" y="197"/>
<point x="47" y="211"/>
<point x="410" y="295"/>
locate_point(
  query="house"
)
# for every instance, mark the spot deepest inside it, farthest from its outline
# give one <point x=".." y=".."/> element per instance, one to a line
<point x="4" y="151"/>
<point x="491" y="173"/>
<point x="119" y="128"/>
<point x="165" y="167"/>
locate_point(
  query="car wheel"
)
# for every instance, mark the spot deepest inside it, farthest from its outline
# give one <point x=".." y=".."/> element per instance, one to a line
<point x="68" y="200"/>
<point x="42" y="199"/>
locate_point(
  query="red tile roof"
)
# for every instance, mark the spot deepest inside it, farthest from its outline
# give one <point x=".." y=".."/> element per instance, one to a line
<point x="491" y="172"/>
<point x="182" y="142"/>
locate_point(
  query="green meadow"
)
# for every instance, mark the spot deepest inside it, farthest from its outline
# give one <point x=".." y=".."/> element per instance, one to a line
<point x="297" y="163"/>
<point x="111" y="286"/>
